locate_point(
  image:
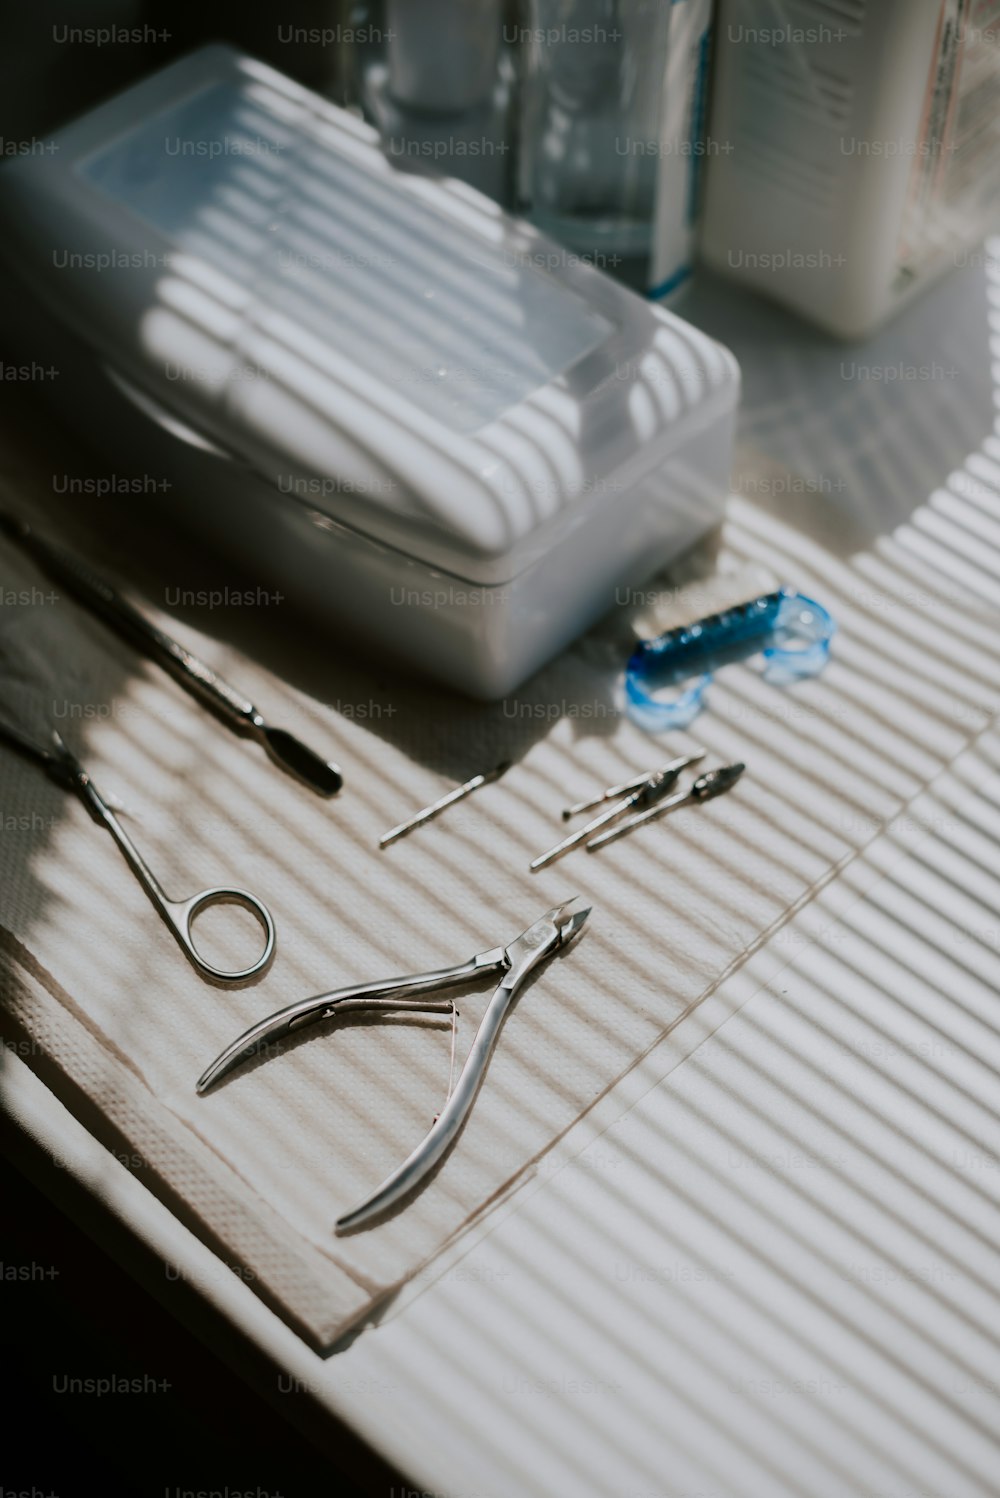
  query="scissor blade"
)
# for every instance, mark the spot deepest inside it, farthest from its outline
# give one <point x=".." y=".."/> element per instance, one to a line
<point x="59" y="764"/>
<point x="29" y="747"/>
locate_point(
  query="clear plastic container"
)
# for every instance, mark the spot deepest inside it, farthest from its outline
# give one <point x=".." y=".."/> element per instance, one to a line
<point x="368" y="384"/>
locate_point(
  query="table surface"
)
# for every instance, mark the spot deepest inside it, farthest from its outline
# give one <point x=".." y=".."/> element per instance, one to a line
<point x="767" y="1263"/>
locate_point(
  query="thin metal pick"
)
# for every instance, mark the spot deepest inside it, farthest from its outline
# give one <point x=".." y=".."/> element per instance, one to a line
<point x="614" y="791"/>
<point x="458" y="794"/>
<point x="712" y="783"/>
<point x="650" y="789"/>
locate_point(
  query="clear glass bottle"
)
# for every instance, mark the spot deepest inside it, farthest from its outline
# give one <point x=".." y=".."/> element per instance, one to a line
<point x="435" y="79"/>
<point x="611" y="109"/>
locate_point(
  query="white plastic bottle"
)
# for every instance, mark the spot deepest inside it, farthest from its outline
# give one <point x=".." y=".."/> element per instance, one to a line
<point x="858" y="149"/>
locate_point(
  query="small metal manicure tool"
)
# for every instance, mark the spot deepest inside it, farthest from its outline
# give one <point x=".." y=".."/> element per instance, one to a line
<point x="555" y="930"/>
<point x="236" y="711"/>
<point x="429" y="812"/>
<point x="648" y="791"/>
<point x="67" y="772"/>
<point x="712" y="783"/>
<point x="614" y="791"/>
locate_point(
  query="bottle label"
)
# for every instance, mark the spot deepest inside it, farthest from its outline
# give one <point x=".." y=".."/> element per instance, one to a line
<point x="955" y="175"/>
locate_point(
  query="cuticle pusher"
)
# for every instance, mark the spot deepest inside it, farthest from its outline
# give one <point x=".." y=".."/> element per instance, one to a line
<point x="235" y="710"/>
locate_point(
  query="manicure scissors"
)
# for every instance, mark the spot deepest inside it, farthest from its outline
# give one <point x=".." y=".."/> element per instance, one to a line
<point x="66" y="770"/>
<point x="555" y="929"/>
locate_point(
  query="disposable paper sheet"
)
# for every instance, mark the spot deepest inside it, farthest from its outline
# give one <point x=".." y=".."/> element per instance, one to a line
<point x="104" y="1005"/>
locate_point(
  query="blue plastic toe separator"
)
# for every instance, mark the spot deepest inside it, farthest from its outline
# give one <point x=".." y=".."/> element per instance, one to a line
<point x="793" y="632"/>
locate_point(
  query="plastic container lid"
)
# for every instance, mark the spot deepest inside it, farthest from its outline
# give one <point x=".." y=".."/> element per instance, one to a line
<point x="388" y="346"/>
